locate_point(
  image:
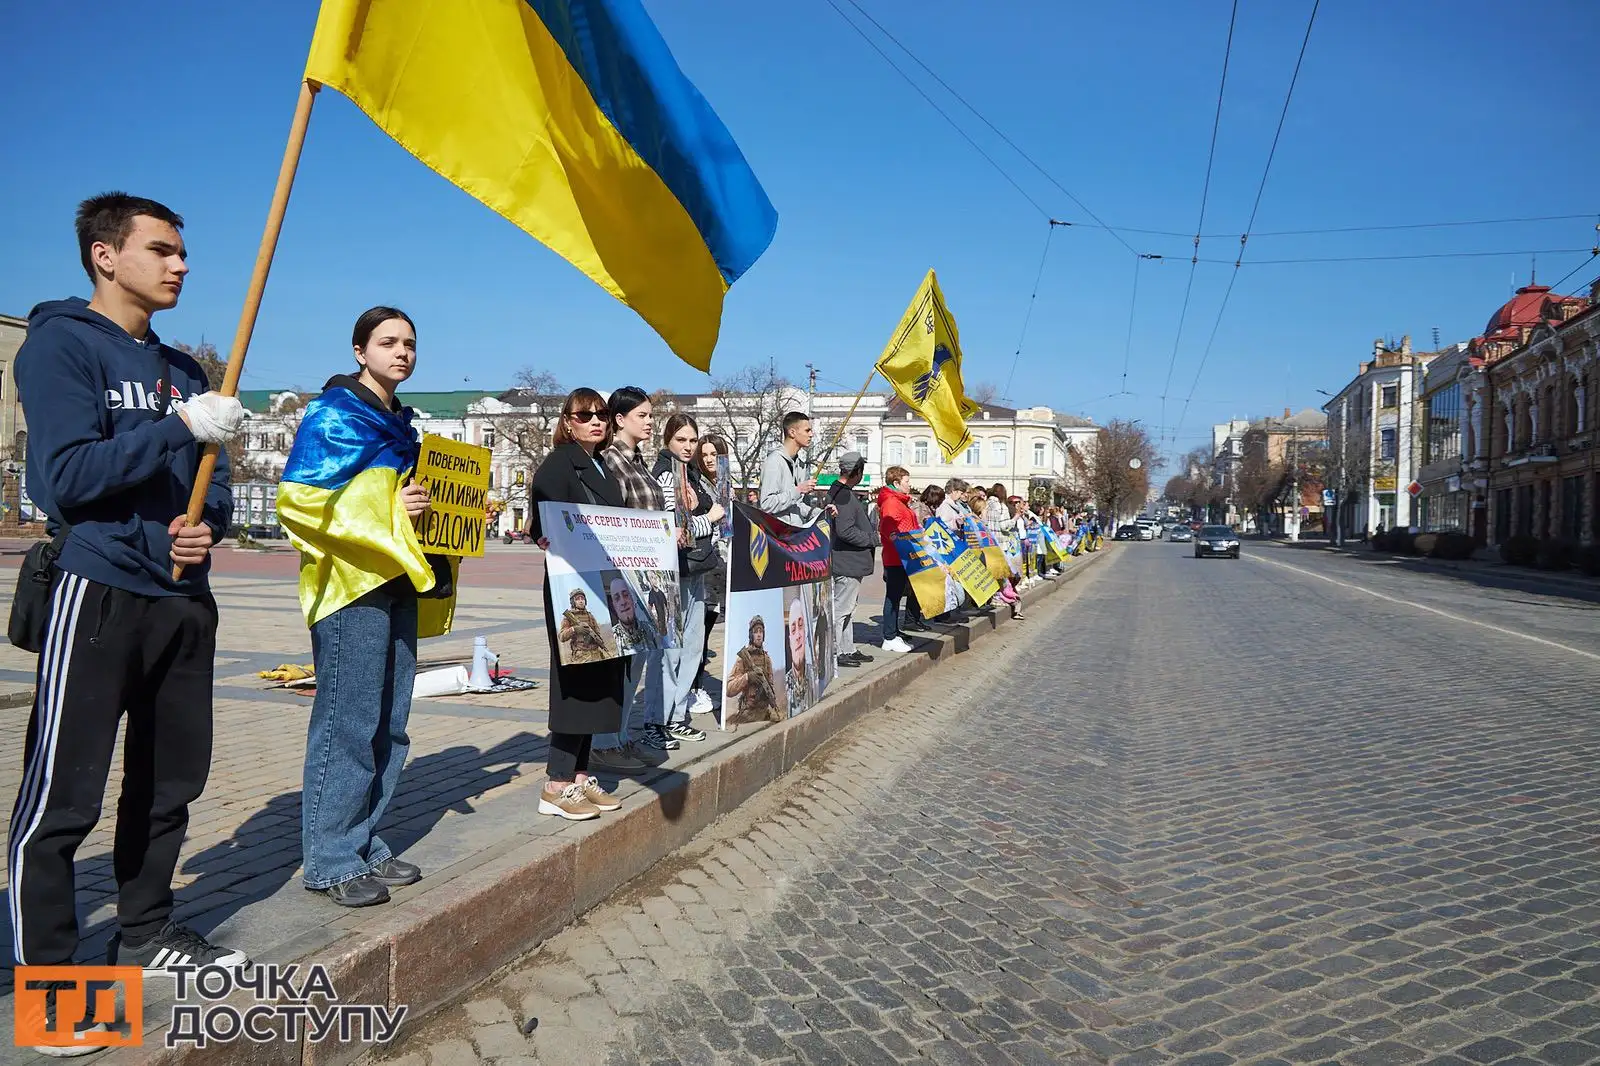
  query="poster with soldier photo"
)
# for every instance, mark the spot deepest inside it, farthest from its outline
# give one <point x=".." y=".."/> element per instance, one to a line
<point x="613" y="580"/>
<point x="781" y="638"/>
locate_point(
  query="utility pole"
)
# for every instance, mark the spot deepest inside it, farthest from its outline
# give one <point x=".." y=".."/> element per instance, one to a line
<point x="811" y="388"/>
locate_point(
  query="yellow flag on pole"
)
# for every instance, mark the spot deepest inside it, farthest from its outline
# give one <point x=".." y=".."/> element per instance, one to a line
<point x="923" y="363"/>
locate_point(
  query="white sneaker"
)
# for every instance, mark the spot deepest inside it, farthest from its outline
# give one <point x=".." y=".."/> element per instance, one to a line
<point x="701" y="703"/>
<point x="897" y="644"/>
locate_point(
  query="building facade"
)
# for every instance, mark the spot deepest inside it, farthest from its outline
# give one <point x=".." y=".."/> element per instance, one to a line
<point x="1026" y="450"/>
<point x="1286" y="449"/>
<point x="1373" y="443"/>
<point x="1450" y="500"/>
<point x="1032" y="448"/>
<point x="1541" y="402"/>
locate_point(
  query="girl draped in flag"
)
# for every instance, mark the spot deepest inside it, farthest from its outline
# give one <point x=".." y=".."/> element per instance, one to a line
<point x="347" y="502"/>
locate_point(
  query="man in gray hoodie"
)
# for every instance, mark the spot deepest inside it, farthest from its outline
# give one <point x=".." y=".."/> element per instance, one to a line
<point x="785" y="486"/>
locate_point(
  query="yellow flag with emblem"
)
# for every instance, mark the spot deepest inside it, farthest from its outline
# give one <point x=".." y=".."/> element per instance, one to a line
<point x="923" y="363"/>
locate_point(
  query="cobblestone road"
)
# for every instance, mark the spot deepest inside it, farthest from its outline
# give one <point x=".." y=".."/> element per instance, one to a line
<point x="1199" y="812"/>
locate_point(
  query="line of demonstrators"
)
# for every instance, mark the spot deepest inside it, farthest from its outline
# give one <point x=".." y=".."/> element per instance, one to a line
<point x="125" y="622"/>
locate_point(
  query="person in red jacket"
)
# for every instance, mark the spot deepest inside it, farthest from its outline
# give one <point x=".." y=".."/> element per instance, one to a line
<point x="896" y="516"/>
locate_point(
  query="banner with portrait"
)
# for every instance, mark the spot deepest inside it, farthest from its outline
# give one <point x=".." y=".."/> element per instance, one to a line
<point x="965" y="565"/>
<point x="780" y="640"/>
<point x="613" y="575"/>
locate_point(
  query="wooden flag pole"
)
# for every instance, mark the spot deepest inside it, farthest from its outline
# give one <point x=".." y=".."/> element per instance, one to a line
<point x="846" y="420"/>
<point x="252" y="298"/>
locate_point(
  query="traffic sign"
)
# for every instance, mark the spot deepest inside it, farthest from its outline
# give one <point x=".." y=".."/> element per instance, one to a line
<point x="1415" y="489"/>
<point x="1328" y="498"/>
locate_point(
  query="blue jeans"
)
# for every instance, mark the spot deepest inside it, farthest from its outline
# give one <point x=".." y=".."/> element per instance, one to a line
<point x="366" y="660"/>
<point x="669" y="687"/>
<point x="895" y="587"/>
<point x="633" y="701"/>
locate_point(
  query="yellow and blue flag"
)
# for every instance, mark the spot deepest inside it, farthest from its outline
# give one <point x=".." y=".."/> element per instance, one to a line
<point x="923" y="363"/>
<point x="572" y="120"/>
<point x="339" y="501"/>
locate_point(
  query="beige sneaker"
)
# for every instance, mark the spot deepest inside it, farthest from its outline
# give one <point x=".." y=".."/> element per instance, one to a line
<point x="570" y="803"/>
<point x="596" y="794"/>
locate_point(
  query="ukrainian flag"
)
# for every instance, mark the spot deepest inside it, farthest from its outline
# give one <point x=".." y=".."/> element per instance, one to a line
<point x="923" y="363"/>
<point x="571" y="119"/>
<point x="339" y="501"/>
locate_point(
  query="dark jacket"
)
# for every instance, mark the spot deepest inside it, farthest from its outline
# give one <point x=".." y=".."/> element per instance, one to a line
<point x="853" y="537"/>
<point x="102" y="459"/>
<point x="586" y="697"/>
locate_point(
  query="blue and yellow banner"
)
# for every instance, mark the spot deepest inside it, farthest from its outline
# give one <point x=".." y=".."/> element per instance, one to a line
<point x="965" y="565"/>
<point x="339" y="501"/>
<point x="936" y="589"/>
<point x="571" y="119"/>
<point x="982" y="540"/>
<point x="923" y="364"/>
<point x="1054" y="551"/>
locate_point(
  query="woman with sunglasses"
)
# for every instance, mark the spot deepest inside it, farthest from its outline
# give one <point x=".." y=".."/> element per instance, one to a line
<point x="585" y="698"/>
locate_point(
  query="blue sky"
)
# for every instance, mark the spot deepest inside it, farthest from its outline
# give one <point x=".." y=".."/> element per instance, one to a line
<point x="1405" y="113"/>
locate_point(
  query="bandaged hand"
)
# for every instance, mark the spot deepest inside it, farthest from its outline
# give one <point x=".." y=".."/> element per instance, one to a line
<point x="212" y="417"/>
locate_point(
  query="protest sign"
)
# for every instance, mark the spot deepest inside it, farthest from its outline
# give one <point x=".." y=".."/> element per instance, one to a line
<point x="936" y="589"/>
<point x="965" y="565"/>
<point x="613" y="575"/>
<point x="779" y="618"/>
<point x="980" y="539"/>
<point x="457" y="478"/>
<point x="1054" y="551"/>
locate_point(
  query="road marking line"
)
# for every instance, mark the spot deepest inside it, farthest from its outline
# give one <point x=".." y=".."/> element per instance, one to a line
<point x="1431" y="610"/>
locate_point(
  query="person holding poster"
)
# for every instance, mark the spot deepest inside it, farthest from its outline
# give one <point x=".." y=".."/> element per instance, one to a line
<point x="691" y="500"/>
<point x="714" y="467"/>
<point x="642" y="737"/>
<point x="895" y="517"/>
<point x="585" y="698"/>
<point x="348" y="501"/>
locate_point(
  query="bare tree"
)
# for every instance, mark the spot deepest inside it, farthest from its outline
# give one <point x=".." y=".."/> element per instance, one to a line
<point x="747" y="411"/>
<point x="524" y="433"/>
<point x="1121" y="461"/>
<point x="241" y="467"/>
<point x="983" y="392"/>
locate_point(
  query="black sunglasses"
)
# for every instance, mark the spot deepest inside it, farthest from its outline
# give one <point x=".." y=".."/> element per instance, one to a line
<point x="581" y="417"/>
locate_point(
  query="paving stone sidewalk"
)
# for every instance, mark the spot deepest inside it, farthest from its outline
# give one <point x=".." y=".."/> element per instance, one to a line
<point x="463" y="793"/>
<point x="1203" y="819"/>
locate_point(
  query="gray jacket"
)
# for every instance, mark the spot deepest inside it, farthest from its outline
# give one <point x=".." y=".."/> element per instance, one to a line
<point x="780" y="491"/>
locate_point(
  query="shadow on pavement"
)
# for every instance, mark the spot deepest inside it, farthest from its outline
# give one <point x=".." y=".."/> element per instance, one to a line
<point x="263" y="855"/>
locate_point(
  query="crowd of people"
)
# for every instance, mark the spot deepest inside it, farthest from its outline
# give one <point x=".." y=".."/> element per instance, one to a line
<point x="126" y="623"/>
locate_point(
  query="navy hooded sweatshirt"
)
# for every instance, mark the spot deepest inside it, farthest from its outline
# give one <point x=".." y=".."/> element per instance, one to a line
<point x="100" y="456"/>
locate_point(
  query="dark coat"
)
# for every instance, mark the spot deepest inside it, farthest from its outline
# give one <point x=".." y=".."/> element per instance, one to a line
<point x="585" y="698"/>
<point x="853" y="535"/>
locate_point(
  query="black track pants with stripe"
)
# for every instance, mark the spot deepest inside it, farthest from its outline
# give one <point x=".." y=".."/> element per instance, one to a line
<point x="108" y="651"/>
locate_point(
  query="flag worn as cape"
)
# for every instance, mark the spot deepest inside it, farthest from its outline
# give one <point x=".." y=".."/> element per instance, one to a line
<point x="339" y="501"/>
<point x="572" y="120"/>
<point x="923" y="363"/>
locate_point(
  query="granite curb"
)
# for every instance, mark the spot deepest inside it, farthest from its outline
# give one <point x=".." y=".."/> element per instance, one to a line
<point x="427" y="950"/>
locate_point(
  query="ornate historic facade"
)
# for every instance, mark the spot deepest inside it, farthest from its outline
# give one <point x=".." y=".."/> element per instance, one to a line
<point x="1533" y="417"/>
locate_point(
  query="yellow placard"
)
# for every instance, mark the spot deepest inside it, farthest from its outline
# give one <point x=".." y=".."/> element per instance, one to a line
<point x="1383" y="484"/>
<point x="457" y="477"/>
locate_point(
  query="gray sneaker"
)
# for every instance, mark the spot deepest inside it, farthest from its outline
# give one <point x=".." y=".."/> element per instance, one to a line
<point x="618" y="760"/>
